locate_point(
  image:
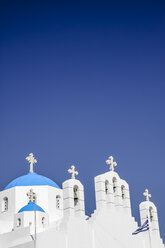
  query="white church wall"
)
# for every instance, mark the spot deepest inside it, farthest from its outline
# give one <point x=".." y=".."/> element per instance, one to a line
<point x="126" y="203"/>
<point x="79" y="235"/>
<point x="51" y="238"/>
<point x="17" y="198"/>
<point x="145" y="213"/>
<point x="108" y="192"/>
<point x="14" y="238"/>
<point x="5" y="226"/>
<point x="10" y="195"/>
<point x="55" y="207"/>
<point x="113" y="227"/>
<point x="27" y="219"/>
<point x="148" y="211"/>
<point x="25" y="245"/>
<point x="21" y="196"/>
<point x="7" y="216"/>
<point x="46" y="199"/>
<point x="71" y="189"/>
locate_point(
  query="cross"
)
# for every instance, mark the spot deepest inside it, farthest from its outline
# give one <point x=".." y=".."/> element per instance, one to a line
<point x="32" y="196"/>
<point x="73" y="172"/>
<point x="110" y="162"/>
<point x="31" y="161"/>
<point x="147" y="195"/>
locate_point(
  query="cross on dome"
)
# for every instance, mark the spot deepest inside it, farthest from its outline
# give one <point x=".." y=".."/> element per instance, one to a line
<point x="73" y="172"/>
<point x="31" y="159"/>
<point x="147" y="195"/>
<point x="110" y="162"/>
<point x="32" y="196"/>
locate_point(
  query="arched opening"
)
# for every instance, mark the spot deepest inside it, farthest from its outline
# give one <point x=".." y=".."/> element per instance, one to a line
<point x="106" y="187"/>
<point x="123" y="192"/>
<point x="75" y="193"/>
<point x="114" y="184"/>
<point x="18" y="222"/>
<point x="151" y="216"/>
<point x="43" y="221"/>
<point x="58" y="199"/>
<point x="4" y="204"/>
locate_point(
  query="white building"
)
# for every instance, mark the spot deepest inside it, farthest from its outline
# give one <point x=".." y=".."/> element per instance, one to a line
<point x="35" y="212"/>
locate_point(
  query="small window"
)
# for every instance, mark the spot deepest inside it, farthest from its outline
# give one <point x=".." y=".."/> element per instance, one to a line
<point x="123" y="191"/>
<point x="18" y="222"/>
<point x="4" y="204"/>
<point x="75" y="192"/>
<point x="43" y="221"/>
<point x="114" y="184"/>
<point x="106" y="187"/>
<point x="58" y="198"/>
<point x="151" y="214"/>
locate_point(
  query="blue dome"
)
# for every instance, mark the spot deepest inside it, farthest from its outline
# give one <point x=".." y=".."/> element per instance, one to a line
<point x="31" y="179"/>
<point x="31" y="207"/>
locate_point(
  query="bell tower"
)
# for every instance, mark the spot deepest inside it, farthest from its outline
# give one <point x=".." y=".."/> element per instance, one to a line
<point x="111" y="191"/>
<point x="148" y="211"/>
<point x="73" y="195"/>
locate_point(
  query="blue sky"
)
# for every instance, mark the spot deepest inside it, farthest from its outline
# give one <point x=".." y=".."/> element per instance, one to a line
<point x="80" y="81"/>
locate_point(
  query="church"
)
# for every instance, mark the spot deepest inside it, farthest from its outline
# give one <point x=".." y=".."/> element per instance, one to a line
<point x="36" y="213"/>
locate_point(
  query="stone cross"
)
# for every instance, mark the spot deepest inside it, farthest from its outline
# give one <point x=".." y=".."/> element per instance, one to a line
<point x="73" y="172"/>
<point x="32" y="196"/>
<point x="147" y="195"/>
<point x="31" y="161"/>
<point x="110" y="162"/>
